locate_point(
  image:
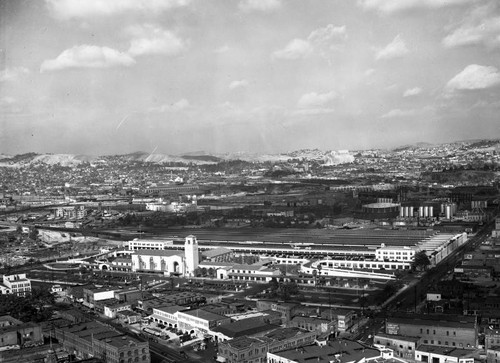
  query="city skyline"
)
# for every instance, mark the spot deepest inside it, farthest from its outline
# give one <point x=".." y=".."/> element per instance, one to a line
<point x="113" y="77"/>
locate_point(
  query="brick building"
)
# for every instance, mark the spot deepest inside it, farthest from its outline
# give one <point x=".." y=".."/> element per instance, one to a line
<point x="442" y="330"/>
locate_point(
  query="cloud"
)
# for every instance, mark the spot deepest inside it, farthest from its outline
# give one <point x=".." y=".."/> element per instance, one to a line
<point x="12" y="74"/>
<point x="87" y="56"/>
<point x="312" y="111"/>
<point x="150" y="39"/>
<point x="297" y="48"/>
<point x="328" y="37"/>
<point x="474" y="77"/>
<point x="68" y="9"/>
<point x="398" y="113"/>
<point x="322" y="39"/>
<point x="412" y="92"/>
<point x="174" y="107"/>
<point x="238" y="84"/>
<point x="395" y="49"/>
<point x="259" y="5"/>
<point x="393" y="6"/>
<point x="477" y="28"/>
<point x="313" y="99"/>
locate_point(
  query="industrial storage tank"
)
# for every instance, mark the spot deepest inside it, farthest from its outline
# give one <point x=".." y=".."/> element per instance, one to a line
<point x="381" y="207"/>
<point x="448" y="212"/>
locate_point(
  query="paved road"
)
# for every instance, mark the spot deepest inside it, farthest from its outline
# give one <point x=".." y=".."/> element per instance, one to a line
<point x="417" y="288"/>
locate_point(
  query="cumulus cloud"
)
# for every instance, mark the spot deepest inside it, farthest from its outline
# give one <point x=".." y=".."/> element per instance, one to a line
<point x="322" y="40"/>
<point x="395" y="49"/>
<point x="312" y="111"/>
<point x="173" y="107"/>
<point x="87" y="56"/>
<point x="150" y="39"/>
<point x="394" y="113"/>
<point x="474" y="77"/>
<point x="238" y="84"/>
<point x="313" y="99"/>
<point x="477" y="28"/>
<point x="68" y="9"/>
<point x="297" y="48"/>
<point x="393" y="6"/>
<point x="412" y="92"/>
<point x="259" y="5"/>
<point x="328" y="37"/>
<point x="13" y="74"/>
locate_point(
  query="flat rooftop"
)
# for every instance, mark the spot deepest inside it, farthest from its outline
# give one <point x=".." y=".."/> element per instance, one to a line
<point x="340" y="351"/>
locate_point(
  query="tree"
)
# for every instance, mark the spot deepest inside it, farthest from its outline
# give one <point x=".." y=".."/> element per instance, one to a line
<point x="211" y="272"/>
<point x="273" y="284"/>
<point x="420" y="261"/>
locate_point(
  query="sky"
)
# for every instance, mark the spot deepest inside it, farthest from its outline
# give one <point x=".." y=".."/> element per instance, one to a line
<point x="103" y="77"/>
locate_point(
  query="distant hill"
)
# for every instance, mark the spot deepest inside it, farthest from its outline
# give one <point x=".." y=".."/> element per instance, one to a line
<point x="328" y="157"/>
<point x="50" y="159"/>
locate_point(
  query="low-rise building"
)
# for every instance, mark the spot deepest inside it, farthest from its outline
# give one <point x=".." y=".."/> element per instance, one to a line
<point x="92" y="295"/>
<point x="441" y="330"/>
<point x="16" y="284"/>
<point x="15" y="334"/>
<point x="255" y="349"/>
<point x="491" y="337"/>
<point x="433" y="354"/>
<point x="402" y="346"/>
<point x="251" y="327"/>
<point x="344" y="351"/>
<point x="286" y="309"/>
<point x="128" y="316"/>
<point x="199" y="322"/>
<point x="255" y="272"/>
<point x="167" y="315"/>
<point x="493" y="354"/>
<point x="321" y="326"/>
<point x="94" y="339"/>
<point x="112" y="307"/>
<point x="148" y="244"/>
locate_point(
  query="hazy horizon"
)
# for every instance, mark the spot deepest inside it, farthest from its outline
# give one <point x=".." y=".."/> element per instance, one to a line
<point x="103" y="77"/>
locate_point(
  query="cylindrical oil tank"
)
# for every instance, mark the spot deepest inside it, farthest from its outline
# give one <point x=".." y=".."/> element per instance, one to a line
<point x="448" y="212"/>
<point x="401" y="211"/>
<point x="420" y="211"/>
<point x="411" y="212"/>
<point x="431" y="211"/>
<point x="426" y="211"/>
